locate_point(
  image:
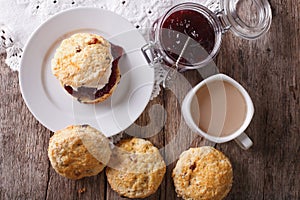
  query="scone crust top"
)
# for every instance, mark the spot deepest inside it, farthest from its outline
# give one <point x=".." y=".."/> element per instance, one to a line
<point x="136" y="168"/>
<point x="202" y="174"/>
<point x="84" y="59"/>
<point x="78" y="151"/>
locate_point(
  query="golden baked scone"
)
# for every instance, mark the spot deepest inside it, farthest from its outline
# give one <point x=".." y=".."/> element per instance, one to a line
<point x="202" y="174"/>
<point x="78" y="151"/>
<point x="82" y="60"/>
<point x="136" y="168"/>
<point x="86" y="65"/>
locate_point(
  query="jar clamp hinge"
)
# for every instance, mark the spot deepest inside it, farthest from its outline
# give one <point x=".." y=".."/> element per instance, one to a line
<point x="151" y="55"/>
<point x="225" y="26"/>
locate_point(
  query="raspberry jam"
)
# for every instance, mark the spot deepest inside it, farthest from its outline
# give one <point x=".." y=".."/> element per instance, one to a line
<point x="187" y="37"/>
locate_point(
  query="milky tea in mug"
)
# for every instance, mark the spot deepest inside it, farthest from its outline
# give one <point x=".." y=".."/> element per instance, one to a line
<point x="219" y="109"/>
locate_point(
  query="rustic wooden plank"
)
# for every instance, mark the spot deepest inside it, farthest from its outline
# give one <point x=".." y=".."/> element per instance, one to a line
<point x="86" y="188"/>
<point x="269" y="69"/>
<point x="177" y="134"/>
<point x="23" y="144"/>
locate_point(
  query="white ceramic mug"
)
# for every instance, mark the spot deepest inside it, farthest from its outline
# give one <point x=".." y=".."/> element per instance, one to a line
<point x="239" y="136"/>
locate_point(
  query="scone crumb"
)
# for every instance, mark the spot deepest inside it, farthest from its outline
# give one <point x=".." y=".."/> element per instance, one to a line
<point x="82" y="190"/>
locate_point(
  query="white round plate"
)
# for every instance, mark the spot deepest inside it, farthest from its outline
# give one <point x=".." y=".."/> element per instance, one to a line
<point x="56" y="109"/>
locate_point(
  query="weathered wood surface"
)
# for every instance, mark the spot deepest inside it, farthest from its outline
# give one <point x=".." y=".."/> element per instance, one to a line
<point x="268" y="68"/>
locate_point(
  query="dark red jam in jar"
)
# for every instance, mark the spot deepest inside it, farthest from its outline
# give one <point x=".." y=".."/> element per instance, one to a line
<point x="188" y="36"/>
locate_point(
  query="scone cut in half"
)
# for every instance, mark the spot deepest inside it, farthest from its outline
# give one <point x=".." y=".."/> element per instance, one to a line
<point x="136" y="168"/>
<point x="87" y="67"/>
<point x="78" y="151"/>
<point x="202" y="174"/>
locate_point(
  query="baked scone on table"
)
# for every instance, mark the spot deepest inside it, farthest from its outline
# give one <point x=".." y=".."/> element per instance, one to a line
<point x="86" y="65"/>
<point x="78" y="151"/>
<point x="136" y="169"/>
<point x="202" y="174"/>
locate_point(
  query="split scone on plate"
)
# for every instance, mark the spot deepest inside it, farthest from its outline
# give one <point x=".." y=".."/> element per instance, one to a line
<point x="136" y="169"/>
<point x="87" y="66"/>
<point x="78" y="151"/>
<point x="202" y="173"/>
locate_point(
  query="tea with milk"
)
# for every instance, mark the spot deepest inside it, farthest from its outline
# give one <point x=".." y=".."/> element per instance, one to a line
<point x="219" y="108"/>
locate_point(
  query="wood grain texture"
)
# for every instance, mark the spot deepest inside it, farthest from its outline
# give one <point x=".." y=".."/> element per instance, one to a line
<point x="268" y="68"/>
<point x="23" y="144"/>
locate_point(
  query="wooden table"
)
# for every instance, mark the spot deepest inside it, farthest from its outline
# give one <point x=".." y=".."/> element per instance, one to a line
<point x="268" y="68"/>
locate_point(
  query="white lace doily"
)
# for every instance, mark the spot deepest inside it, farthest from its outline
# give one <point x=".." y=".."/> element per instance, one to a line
<point x="19" y="18"/>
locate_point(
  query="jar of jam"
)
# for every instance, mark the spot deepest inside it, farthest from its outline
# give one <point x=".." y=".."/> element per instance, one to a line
<point x="189" y="35"/>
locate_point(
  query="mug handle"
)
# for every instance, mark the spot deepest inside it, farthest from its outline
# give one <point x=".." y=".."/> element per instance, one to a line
<point x="244" y="141"/>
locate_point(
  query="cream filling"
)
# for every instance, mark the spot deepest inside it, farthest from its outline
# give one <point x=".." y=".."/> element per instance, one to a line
<point x="100" y="83"/>
<point x="103" y="80"/>
<point x="96" y="82"/>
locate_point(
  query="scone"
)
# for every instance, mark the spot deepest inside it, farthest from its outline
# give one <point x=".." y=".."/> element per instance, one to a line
<point x="136" y="168"/>
<point x="78" y="151"/>
<point x="86" y="65"/>
<point x="202" y="174"/>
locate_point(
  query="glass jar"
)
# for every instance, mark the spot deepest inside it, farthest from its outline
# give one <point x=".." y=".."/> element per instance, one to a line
<point x="189" y="35"/>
